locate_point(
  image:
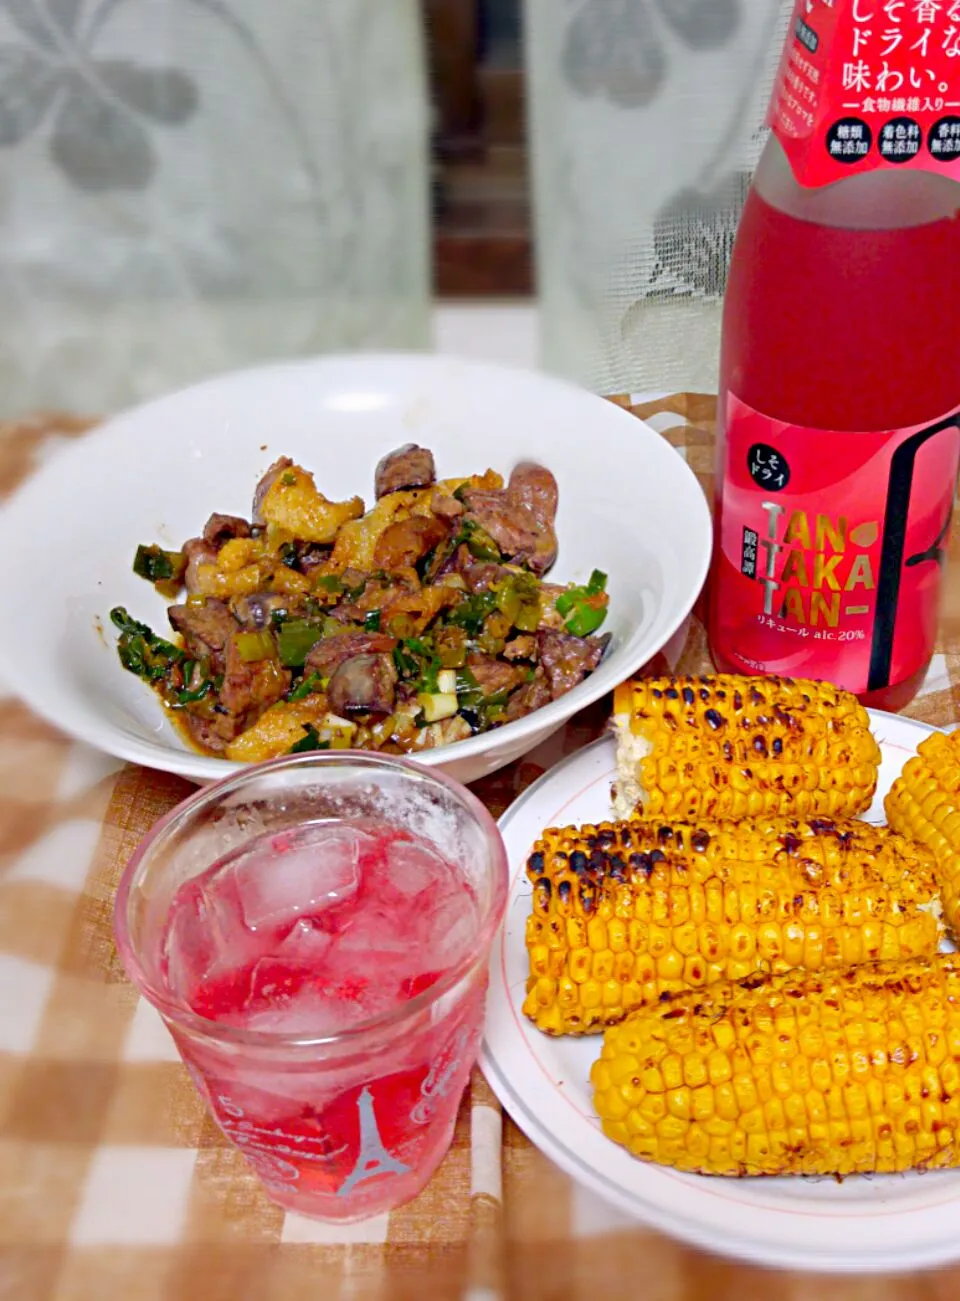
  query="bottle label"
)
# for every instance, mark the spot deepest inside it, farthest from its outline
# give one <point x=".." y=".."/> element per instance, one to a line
<point x="865" y="84"/>
<point x="832" y="547"/>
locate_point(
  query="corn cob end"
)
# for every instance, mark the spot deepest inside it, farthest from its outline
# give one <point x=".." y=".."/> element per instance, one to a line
<point x="737" y="747"/>
<point x="836" y="1073"/>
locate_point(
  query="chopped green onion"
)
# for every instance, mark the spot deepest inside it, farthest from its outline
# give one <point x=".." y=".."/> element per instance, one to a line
<point x="451" y="647"/>
<point x="141" y="651"/>
<point x="447" y="682"/>
<point x="122" y="620"/>
<point x="437" y="705"/>
<point x="159" y="566"/>
<point x="472" y="611"/>
<point x="416" y="660"/>
<point x="255" y="646"/>
<point x="372" y="621"/>
<point x="428" y="662"/>
<point x="429" y="566"/>
<point x="472" y="698"/>
<point x="309" y="741"/>
<point x="313" y="682"/>
<point x="509" y="601"/>
<point x="295" y="640"/>
<point x="288" y="555"/>
<point x="406" y="665"/>
<point x="479" y="542"/>
<point x="400" y="625"/>
<point x="584" y="609"/>
<point x="528" y="618"/>
<point x="497" y="698"/>
<point x="491" y="644"/>
<point x="288" y="478"/>
<point x="188" y="697"/>
<point x="575" y="596"/>
<point x="497" y="624"/>
<point x="585" y="620"/>
<point x="469" y="691"/>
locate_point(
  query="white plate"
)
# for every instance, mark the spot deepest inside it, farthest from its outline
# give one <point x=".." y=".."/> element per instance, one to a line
<point x="629" y="505"/>
<point x="883" y="1222"/>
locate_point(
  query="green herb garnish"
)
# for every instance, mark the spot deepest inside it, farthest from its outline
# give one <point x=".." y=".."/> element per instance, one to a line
<point x="189" y="697"/>
<point x="479" y="542"/>
<point x="159" y="566"/>
<point x="295" y="640"/>
<point x="416" y="660"/>
<point x="141" y="651"/>
<point x="255" y="646"/>
<point x="313" y="682"/>
<point x="584" y="608"/>
<point x="471" y="696"/>
<point x="472" y="611"/>
<point x="309" y="741"/>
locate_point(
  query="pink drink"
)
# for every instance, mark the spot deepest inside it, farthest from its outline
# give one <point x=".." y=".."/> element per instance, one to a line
<point x="311" y="932"/>
<point x="324" y="981"/>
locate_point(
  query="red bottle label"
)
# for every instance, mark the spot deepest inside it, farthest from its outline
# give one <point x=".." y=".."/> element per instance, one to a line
<point x="865" y="84"/>
<point x="832" y="547"/>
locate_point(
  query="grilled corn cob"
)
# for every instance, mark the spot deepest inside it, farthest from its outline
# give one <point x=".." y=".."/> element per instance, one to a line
<point x="735" y="747"/>
<point x="625" y="912"/>
<point x="839" y="1072"/>
<point x="924" y="803"/>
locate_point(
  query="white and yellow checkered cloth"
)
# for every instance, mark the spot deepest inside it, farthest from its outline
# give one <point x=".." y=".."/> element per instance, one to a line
<point x="115" y="1185"/>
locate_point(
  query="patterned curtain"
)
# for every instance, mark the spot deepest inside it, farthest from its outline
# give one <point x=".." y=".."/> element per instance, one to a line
<point x="191" y="185"/>
<point x="646" y="121"/>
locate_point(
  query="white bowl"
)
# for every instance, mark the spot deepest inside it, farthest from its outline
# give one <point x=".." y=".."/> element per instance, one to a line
<point x="629" y="505"/>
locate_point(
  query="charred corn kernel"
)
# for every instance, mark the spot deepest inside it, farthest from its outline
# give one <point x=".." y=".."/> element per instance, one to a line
<point x="924" y="804"/>
<point x="739" y="747"/>
<point x="842" y="1113"/>
<point x="615" y="907"/>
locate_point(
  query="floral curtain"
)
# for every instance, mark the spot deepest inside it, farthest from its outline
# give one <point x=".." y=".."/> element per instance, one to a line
<point x="191" y="185"/>
<point x="646" y="121"/>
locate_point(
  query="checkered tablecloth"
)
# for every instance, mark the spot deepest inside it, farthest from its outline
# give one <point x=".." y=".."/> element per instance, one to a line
<point x="115" y="1183"/>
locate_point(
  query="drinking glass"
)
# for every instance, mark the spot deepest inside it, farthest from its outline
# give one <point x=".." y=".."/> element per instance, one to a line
<point x="337" y="1125"/>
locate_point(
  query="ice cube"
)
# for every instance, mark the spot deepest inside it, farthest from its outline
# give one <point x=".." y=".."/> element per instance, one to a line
<point x="206" y="935"/>
<point x="410" y="868"/>
<point x="310" y="1012"/>
<point x="273" y="983"/>
<point x="375" y="964"/>
<point x="300" y="872"/>
<point x="447" y="928"/>
<point x="375" y="927"/>
<point x="365" y="985"/>
<point x="339" y="998"/>
<point x="306" y="943"/>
